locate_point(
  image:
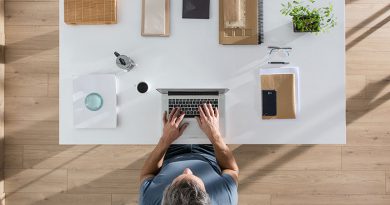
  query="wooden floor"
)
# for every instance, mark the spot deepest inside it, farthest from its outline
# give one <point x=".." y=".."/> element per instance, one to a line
<point x="40" y="172"/>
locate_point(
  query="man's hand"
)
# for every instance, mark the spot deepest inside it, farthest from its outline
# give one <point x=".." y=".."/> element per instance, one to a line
<point x="209" y="121"/>
<point x="172" y="128"/>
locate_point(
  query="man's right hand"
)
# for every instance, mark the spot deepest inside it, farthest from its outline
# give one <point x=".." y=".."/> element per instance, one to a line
<point x="209" y="121"/>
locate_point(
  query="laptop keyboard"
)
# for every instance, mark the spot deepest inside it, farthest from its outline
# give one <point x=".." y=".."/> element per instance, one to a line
<point x="190" y="106"/>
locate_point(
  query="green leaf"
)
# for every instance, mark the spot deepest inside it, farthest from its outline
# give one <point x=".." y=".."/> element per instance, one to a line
<point x="309" y="18"/>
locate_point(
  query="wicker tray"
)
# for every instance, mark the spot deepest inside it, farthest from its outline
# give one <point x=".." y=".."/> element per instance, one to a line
<point x="90" y="11"/>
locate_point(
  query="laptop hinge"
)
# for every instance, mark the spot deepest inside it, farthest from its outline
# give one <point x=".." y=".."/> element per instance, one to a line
<point x="193" y="93"/>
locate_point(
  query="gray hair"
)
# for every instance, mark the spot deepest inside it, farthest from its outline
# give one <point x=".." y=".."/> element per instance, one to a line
<point x="185" y="192"/>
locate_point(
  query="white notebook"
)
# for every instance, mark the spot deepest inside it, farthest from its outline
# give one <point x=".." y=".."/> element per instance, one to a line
<point x="104" y="116"/>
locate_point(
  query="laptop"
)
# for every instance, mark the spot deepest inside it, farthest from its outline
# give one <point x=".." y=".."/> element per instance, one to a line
<point x="189" y="100"/>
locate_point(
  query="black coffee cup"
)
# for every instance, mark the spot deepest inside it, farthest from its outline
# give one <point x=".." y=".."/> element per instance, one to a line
<point x="142" y="87"/>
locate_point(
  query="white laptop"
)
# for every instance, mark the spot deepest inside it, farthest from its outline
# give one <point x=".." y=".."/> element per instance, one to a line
<point x="189" y="100"/>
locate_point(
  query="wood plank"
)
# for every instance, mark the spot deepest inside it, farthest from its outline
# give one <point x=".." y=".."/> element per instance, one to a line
<point x="13" y="156"/>
<point x="53" y="85"/>
<point x="26" y="85"/>
<point x="31" y="132"/>
<point x="330" y="199"/>
<point x="31" y="13"/>
<point x="58" y="199"/>
<point x="378" y="86"/>
<point x="250" y="199"/>
<point x="367" y="69"/>
<point x="2" y="193"/>
<point x="85" y="157"/>
<point x="32" y="61"/>
<point x="388" y="182"/>
<point x="35" y="180"/>
<point x="366" y="158"/>
<point x="32" y="37"/>
<point x="368" y="134"/>
<point x="104" y="181"/>
<point x="377" y="58"/>
<point x="367" y="111"/>
<point x="367" y="15"/>
<point x="30" y="108"/>
<point x="312" y="182"/>
<point x="124" y="199"/>
<point x="46" y="156"/>
<point x="2" y="70"/>
<point x="368" y="39"/>
<point x="288" y="157"/>
<point x="355" y="86"/>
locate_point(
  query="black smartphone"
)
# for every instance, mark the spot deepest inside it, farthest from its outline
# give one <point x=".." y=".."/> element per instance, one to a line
<point x="269" y="102"/>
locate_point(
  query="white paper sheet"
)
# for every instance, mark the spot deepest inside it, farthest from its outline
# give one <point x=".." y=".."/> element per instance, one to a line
<point x="105" y="86"/>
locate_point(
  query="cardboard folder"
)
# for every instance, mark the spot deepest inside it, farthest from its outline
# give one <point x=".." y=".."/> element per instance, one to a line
<point x="240" y="22"/>
<point x="284" y="85"/>
<point x="234" y="13"/>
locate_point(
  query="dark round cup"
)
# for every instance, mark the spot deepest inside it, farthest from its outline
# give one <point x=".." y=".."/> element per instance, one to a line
<point x="142" y="87"/>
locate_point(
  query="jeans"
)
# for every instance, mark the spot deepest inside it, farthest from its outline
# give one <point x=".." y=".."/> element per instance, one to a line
<point x="179" y="149"/>
<point x="205" y="150"/>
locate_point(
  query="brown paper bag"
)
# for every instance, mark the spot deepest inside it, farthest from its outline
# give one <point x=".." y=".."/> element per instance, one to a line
<point x="284" y="84"/>
<point x="239" y="22"/>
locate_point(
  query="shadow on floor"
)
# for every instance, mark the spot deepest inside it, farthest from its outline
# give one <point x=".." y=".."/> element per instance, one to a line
<point x="32" y="52"/>
<point x="366" y="33"/>
<point x="375" y="88"/>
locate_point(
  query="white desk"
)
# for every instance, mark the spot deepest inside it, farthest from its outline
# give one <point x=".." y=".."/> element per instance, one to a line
<point x="192" y="58"/>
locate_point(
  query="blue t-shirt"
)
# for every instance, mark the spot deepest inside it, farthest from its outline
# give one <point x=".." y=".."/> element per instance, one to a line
<point x="221" y="188"/>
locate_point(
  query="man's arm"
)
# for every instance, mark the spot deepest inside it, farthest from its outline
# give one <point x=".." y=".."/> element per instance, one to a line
<point x="154" y="162"/>
<point x="209" y="123"/>
<point x="225" y="157"/>
<point x="172" y="131"/>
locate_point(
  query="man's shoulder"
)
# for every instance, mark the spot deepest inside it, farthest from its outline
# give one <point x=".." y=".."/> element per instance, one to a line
<point x="147" y="196"/>
<point x="145" y="183"/>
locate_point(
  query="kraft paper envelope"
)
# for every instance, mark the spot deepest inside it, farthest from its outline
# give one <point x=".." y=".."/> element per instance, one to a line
<point x="234" y="13"/>
<point x="155" y="18"/>
<point x="240" y="22"/>
<point x="284" y="84"/>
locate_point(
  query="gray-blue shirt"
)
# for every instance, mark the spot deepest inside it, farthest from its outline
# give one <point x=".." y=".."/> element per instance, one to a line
<point x="221" y="188"/>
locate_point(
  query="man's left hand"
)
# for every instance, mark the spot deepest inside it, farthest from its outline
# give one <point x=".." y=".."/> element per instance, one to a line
<point x="172" y="128"/>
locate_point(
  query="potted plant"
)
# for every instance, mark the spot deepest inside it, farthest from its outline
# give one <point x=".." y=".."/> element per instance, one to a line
<point x="308" y="18"/>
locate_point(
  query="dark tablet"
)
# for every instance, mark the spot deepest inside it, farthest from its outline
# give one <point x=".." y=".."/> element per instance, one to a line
<point x="196" y="9"/>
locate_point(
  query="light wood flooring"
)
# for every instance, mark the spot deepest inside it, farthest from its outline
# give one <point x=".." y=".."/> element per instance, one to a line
<point x="38" y="171"/>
